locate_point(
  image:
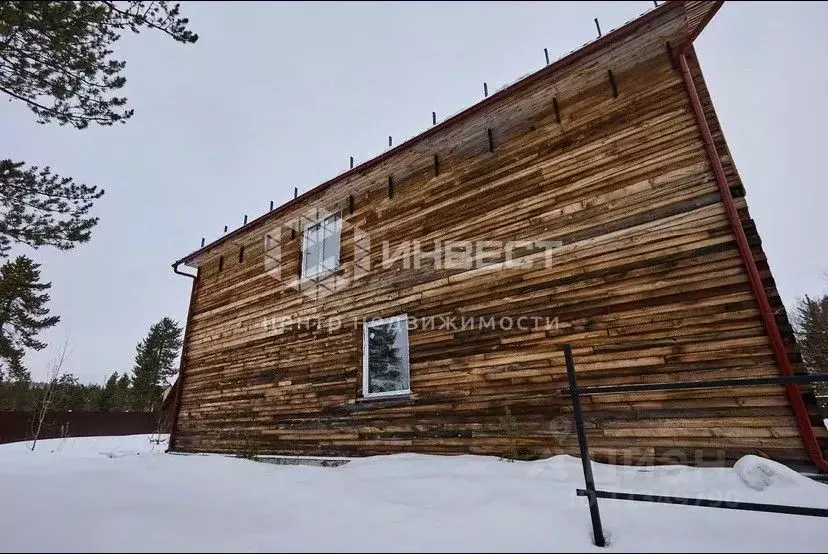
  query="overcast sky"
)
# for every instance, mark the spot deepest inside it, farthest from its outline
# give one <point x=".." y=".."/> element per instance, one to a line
<point x="277" y="95"/>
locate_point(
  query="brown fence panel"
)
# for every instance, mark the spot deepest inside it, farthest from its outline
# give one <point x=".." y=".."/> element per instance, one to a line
<point x="17" y="426"/>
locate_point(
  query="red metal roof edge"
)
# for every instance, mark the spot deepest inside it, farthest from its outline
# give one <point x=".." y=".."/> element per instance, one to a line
<point x="694" y="34"/>
<point x="543" y="72"/>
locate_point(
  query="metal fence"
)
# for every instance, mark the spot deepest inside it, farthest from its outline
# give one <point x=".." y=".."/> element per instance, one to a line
<point x="594" y="494"/>
<point x="18" y="425"/>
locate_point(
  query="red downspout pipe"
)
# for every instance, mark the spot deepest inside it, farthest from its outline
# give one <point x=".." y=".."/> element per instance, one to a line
<point x="182" y="362"/>
<point x="777" y="345"/>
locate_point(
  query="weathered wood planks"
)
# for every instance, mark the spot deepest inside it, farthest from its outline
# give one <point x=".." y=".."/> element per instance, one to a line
<point x="647" y="285"/>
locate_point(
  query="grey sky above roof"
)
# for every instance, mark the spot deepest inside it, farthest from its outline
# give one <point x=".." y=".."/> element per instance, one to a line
<point x="277" y="95"/>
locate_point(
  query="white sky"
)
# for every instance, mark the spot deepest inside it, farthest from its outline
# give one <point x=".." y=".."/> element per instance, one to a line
<point x="277" y="95"/>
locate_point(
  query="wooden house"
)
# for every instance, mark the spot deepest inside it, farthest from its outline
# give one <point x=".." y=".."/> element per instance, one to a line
<point x="602" y="197"/>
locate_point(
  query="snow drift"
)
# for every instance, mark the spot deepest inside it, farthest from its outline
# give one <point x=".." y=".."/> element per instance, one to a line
<point x="125" y="494"/>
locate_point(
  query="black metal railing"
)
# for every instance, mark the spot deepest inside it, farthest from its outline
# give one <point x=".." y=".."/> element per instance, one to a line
<point x="594" y="494"/>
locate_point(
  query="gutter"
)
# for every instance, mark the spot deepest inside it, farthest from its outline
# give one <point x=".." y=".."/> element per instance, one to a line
<point x="182" y="362"/>
<point x="175" y="270"/>
<point x="780" y="352"/>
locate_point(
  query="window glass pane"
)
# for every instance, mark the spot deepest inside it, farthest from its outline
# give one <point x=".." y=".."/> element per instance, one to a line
<point x="388" y="357"/>
<point x="313" y="250"/>
<point x="330" y="243"/>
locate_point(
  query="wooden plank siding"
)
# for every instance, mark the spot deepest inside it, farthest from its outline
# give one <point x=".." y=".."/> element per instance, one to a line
<point x="647" y="285"/>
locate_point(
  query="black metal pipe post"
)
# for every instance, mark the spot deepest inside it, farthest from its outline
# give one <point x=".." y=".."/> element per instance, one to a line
<point x="589" y="480"/>
<point x="709" y="503"/>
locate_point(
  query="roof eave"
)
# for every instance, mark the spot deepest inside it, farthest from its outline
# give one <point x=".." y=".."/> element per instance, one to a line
<point x="589" y="48"/>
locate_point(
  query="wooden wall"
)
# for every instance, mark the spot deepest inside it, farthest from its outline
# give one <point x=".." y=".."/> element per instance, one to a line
<point x="647" y="286"/>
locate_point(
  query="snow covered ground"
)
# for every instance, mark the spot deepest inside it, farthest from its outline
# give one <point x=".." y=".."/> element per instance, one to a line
<point x="125" y="494"/>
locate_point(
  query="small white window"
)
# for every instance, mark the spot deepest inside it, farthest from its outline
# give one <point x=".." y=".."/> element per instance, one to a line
<point x="385" y="357"/>
<point x="320" y="246"/>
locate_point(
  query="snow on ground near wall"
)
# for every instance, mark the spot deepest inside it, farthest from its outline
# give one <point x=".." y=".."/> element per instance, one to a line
<point x="125" y="494"/>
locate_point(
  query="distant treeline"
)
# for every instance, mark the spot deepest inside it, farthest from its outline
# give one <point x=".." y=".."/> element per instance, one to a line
<point x="117" y="395"/>
<point x="140" y="391"/>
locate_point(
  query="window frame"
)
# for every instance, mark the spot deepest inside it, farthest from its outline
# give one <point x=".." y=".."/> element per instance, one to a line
<point x="321" y="270"/>
<point x="366" y="327"/>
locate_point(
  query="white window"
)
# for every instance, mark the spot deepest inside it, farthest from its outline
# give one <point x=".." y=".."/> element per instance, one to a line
<point x="320" y="246"/>
<point x="385" y="357"/>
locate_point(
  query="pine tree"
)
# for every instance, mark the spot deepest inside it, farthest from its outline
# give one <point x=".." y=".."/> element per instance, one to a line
<point x="23" y="314"/>
<point x="115" y="394"/>
<point x="56" y="59"/>
<point x="18" y="396"/>
<point x="57" y="55"/>
<point x="69" y="394"/>
<point x="154" y="360"/>
<point x="107" y="397"/>
<point x="123" y="393"/>
<point x="811" y="326"/>
<point x="383" y="358"/>
<point x="811" y="322"/>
